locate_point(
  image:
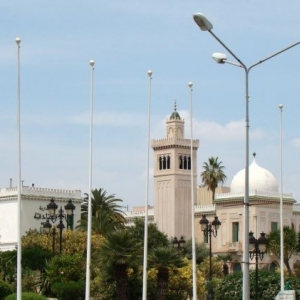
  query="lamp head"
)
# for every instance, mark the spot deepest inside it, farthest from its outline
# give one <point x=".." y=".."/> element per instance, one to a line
<point x="92" y="63"/>
<point x="220" y="58"/>
<point x="202" y="22"/>
<point x="149" y="73"/>
<point x="17" y="40"/>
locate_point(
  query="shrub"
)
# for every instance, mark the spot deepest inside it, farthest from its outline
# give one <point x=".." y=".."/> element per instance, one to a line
<point x="69" y="290"/>
<point x="5" y="289"/>
<point x="26" y="296"/>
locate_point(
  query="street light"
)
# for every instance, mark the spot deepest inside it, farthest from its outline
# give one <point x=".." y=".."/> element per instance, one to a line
<point x="206" y="25"/>
<point x="51" y="207"/>
<point x="177" y="242"/>
<point x="257" y="249"/>
<point x="70" y="207"/>
<point x="210" y="229"/>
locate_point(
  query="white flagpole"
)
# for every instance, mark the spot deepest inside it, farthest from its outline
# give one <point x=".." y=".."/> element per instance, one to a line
<point x="19" y="224"/>
<point x="147" y="195"/>
<point x="89" y="227"/>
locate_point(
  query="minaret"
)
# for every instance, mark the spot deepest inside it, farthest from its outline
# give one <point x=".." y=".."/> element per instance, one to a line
<point x="172" y="179"/>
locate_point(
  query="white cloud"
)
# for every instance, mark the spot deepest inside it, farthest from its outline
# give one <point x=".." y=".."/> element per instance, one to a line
<point x="296" y="143"/>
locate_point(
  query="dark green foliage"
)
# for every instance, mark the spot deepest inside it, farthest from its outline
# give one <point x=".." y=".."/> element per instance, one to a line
<point x="213" y="174"/>
<point x="35" y="257"/>
<point x="201" y="251"/>
<point x="291" y="244"/>
<point x="107" y="214"/>
<point x="156" y="238"/>
<point x="119" y="252"/>
<point x="69" y="290"/>
<point x="26" y="296"/>
<point x="66" y="268"/>
<point x="230" y="287"/>
<point x="8" y="262"/>
<point x="5" y="289"/>
<point x="163" y="259"/>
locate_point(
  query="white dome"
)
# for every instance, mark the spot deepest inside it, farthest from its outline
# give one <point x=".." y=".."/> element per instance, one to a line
<point x="260" y="179"/>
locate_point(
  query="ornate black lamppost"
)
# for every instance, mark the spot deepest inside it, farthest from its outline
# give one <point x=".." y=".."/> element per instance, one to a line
<point x="69" y="216"/>
<point x="177" y="242"/>
<point x="257" y="249"/>
<point x="210" y="229"/>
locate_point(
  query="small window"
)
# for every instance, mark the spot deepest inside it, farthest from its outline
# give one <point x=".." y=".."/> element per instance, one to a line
<point x="235" y="232"/>
<point x="274" y="226"/>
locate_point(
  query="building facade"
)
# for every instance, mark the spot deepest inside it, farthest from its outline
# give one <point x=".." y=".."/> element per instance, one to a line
<point x="172" y="199"/>
<point x="34" y="201"/>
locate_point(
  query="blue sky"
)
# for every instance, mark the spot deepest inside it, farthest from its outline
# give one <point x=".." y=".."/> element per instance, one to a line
<point x="126" y="39"/>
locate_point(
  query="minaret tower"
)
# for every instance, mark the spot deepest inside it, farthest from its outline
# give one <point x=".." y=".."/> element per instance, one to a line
<point x="172" y="179"/>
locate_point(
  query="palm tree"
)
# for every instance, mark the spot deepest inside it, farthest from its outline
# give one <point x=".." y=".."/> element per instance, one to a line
<point x="119" y="251"/>
<point x="162" y="259"/>
<point x="213" y="174"/>
<point x="107" y="214"/>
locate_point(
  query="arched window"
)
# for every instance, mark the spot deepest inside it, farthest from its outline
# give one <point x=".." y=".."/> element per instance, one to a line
<point x="164" y="162"/>
<point x="237" y="267"/>
<point x="180" y="162"/>
<point x="184" y="162"/>
<point x="168" y="162"/>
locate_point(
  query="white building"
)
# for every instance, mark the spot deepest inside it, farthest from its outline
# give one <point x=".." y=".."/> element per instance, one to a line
<point x="34" y="201"/>
<point x="172" y="198"/>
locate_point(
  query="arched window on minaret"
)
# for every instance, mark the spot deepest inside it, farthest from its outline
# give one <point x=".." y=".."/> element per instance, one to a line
<point x="185" y="166"/>
<point x="184" y="162"/>
<point x="160" y="162"/>
<point x="189" y="163"/>
<point x="180" y="162"/>
<point x="168" y="162"/>
<point x="164" y="162"/>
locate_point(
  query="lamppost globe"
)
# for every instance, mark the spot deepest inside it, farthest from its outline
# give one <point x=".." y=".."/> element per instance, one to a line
<point x="70" y="207"/>
<point x="51" y="207"/>
<point x="220" y="58"/>
<point x="202" y="22"/>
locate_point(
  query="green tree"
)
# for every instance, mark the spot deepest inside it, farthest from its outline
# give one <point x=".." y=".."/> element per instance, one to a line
<point x="107" y="214"/>
<point x="163" y="259"/>
<point x="34" y="257"/>
<point x="155" y="237"/>
<point x="201" y="251"/>
<point x="290" y="242"/>
<point x="213" y="174"/>
<point x="8" y="261"/>
<point x="119" y="252"/>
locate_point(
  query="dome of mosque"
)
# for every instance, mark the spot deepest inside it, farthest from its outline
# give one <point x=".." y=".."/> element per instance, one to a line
<point x="260" y="179"/>
<point x="175" y="115"/>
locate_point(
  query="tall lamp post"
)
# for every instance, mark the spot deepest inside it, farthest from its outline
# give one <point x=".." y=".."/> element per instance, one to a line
<point x="210" y="229"/>
<point x="51" y="207"/>
<point x="257" y="249"/>
<point x="206" y="25"/>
